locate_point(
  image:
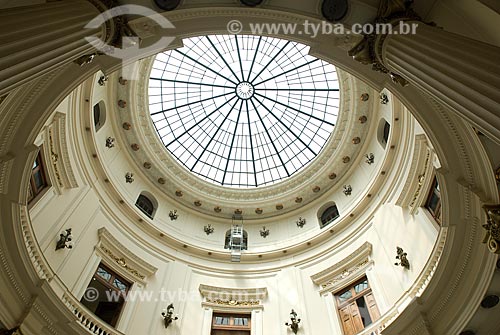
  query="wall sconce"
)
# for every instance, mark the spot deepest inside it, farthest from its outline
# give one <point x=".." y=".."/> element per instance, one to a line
<point x="208" y="229"/>
<point x="110" y="142"/>
<point x="129" y="178"/>
<point x="65" y="240"/>
<point x="173" y="215"/>
<point x="102" y="80"/>
<point x="384" y="99"/>
<point x="301" y="222"/>
<point x="168" y="315"/>
<point x="370" y="158"/>
<point x="403" y="261"/>
<point x="264" y="232"/>
<point x="294" y="325"/>
<point x="347" y="190"/>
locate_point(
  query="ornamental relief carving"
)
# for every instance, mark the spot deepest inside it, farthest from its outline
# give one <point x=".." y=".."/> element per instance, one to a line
<point x="233" y="302"/>
<point x="345" y="274"/>
<point x="492" y="227"/>
<point x="122" y="263"/>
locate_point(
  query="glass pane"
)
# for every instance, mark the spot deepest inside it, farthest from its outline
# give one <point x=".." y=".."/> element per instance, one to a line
<point x="330" y="214"/>
<point x="433" y="202"/>
<point x="243" y="111"/>
<point x="97" y="114"/>
<point x="221" y="320"/>
<point x="240" y="321"/>
<point x="39" y="180"/>
<point x="361" y="286"/>
<point x="363" y="311"/>
<point x="345" y="296"/>
<point x="145" y="205"/>
<point x="103" y="274"/>
<point x="120" y="285"/>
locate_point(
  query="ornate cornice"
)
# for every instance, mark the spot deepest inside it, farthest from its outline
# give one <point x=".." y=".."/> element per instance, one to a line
<point x="348" y="269"/>
<point x="232" y="295"/>
<point x="122" y="259"/>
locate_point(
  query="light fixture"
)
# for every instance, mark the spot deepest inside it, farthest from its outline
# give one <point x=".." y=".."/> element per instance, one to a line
<point x="65" y="240"/>
<point x="403" y="261"/>
<point x="110" y="142"/>
<point x="173" y="215"/>
<point x="168" y="315"/>
<point x="294" y="324"/>
<point x="347" y="190"/>
<point x="370" y="158"/>
<point x="301" y="222"/>
<point x="129" y="178"/>
<point x="102" y="80"/>
<point x="208" y="229"/>
<point x="264" y="232"/>
<point x="384" y="99"/>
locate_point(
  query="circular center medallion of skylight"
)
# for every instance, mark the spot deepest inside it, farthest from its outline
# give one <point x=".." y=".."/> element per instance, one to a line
<point x="243" y="111"/>
<point x="244" y="90"/>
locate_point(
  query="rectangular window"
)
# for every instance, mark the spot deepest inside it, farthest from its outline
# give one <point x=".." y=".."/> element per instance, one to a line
<point x="433" y="203"/>
<point x="109" y="289"/>
<point x="38" y="179"/>
<point x="357" y="307"/>
<point x="231" y="324"/>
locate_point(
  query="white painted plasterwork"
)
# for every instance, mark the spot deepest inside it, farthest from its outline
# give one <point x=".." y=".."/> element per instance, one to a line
<point x="122" y="260"/>
<point x="344" y="272"/>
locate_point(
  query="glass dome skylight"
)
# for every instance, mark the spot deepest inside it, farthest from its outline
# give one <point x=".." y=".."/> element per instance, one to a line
<point x="243" y="111"/>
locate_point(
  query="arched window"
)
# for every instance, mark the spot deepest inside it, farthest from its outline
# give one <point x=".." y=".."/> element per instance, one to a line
<point x="147" y="204"/>
<point x="227" y="240"/>
<point x="384" y="130"/>
<point x="329" y="215"/>
<point x="99" y="115"/>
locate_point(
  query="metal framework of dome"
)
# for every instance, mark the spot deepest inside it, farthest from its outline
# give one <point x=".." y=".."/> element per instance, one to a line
<point x="243" y="111"/>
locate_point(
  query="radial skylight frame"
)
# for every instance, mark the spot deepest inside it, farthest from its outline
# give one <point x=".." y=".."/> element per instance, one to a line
<point x="243" y="111"/>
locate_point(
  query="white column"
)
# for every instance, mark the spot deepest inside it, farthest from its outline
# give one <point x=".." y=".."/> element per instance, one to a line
<point x="206" y="326"/>
<point x="40" y="38"/>
<point x="462" y="73"/>
<point x="257" y="322"/>
<point x="335" y="322"/>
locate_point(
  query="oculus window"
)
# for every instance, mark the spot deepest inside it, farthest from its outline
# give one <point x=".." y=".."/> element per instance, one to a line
<point x="243" y="111"/>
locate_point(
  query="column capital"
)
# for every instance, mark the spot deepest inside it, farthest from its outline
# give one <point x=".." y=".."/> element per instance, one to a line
<point x="117" y="26"/>
<point x="369" y="50"/>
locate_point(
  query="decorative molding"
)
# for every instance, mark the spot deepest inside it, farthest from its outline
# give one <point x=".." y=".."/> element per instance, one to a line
<point x="492" y="227"/>
<point x="233" y="302"/>
<point x="6" y="164"/>
<point x="121" y="259"/>
<point x="349" y="269"/>
<point x="234" y="297"/>
<point x="419" y="178"/>
<point x="56" y="154"/>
